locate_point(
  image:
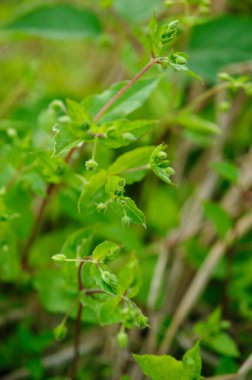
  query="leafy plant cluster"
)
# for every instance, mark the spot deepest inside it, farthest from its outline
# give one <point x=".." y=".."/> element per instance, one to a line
<point x="125" y="217"/>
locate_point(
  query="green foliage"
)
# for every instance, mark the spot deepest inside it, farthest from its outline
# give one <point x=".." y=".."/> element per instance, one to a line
<point x="160" y="165"/>
<point x="134" y="98"/>
<point x="57" y="22"/>
<point x="94" y="236"/>
<point x="226" y="170"/>
<point x="165" y="367"/>
<point x="219" y="217"/>
<point x="219" y="42"/>
<point x="212" y="335"/>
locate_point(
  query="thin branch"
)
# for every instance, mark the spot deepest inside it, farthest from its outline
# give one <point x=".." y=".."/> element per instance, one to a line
<point x="206" y="95"/>
<point x="124" y="89"/>
<point x="201" y="279"/>
<point x="230" y="376"/>
<point x="158" y="276"/>
<point x="77" y="328"/>
<point x="246" y="367"/>
<point x="240" y="375"/>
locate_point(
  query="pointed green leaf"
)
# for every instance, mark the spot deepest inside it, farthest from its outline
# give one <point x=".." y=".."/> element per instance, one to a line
<point x="93" y="193"/>
<point x="59" y="21"/>
<point x="226" y="170"/>
<point x="192" y="362"/>
<point x="161" y="367"/>
<point x="132" y="165"/>
<point x="132" y="99"/>
<point x="125" y="206"/>
<point x="120" y="133"/>
<point x="106" y="251"/>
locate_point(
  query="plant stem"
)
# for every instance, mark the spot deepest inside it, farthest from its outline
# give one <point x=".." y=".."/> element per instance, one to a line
<point x="36" y="226"/>
<point x="137" y="169"/>
<point x="77" y="328"/>
<point x="52" y="187"/>
<point x="114" y="98"/>
<point x="206" y="94"/>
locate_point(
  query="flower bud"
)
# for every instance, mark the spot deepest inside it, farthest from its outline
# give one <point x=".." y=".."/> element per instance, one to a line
<point x="173" y="25"/>
<point x="91" y="165"/>
<point x="142" y="321"/>
<point x="60" y="331"/>
<point x="101" y="207"/>
<point x="57" y="105"/>
<point x="129" y="136"/>
<point x="59" y="257"/>
<point x="122" y="339"/>
<point x="162" y="155"/>
<point x="125" y="221"/>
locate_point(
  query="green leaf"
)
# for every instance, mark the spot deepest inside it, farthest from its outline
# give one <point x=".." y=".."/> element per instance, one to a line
<point x="161" y="367"/>
<point x="110" y="311"/>
<point x="143" y="9"/>
<point x="220" y="42"/>
<point x="53" y="291"/>
<point x="132" y="99"/>
<point x="104" y="278"/>
<point x="106" y="251"/>
<point x="153" y="25"/>
<point x="165" y="367"/>
<point x="93" y="193"/>
<point x="125" y="206"/>
<point x="78" y="243"/>
<point x="192" y="362"/>
<point x="160" y="165"/>
<point x="65" y="138"/>
<point x="35" y="182"/>
<point x="57" y="22"/>
<point x="78" y="114"/>
<point x="223" y="344"/>
<point x="123" y="132"/>
<point x="126" y="164"/>
<point x="197" y="123"/>
<point x="129" y="278"/>
<point x="94" y="309"/>
<point x="114" y="186"/>
<point x="219" y="217"/>
<point x="226" y="170"/>
<point x="73" y="130"/>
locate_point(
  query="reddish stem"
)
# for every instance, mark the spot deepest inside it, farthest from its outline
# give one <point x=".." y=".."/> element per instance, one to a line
<point x="77" y="328"/>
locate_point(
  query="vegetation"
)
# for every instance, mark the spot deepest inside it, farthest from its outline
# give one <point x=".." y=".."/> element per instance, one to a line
<point x="125" y="190"/>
